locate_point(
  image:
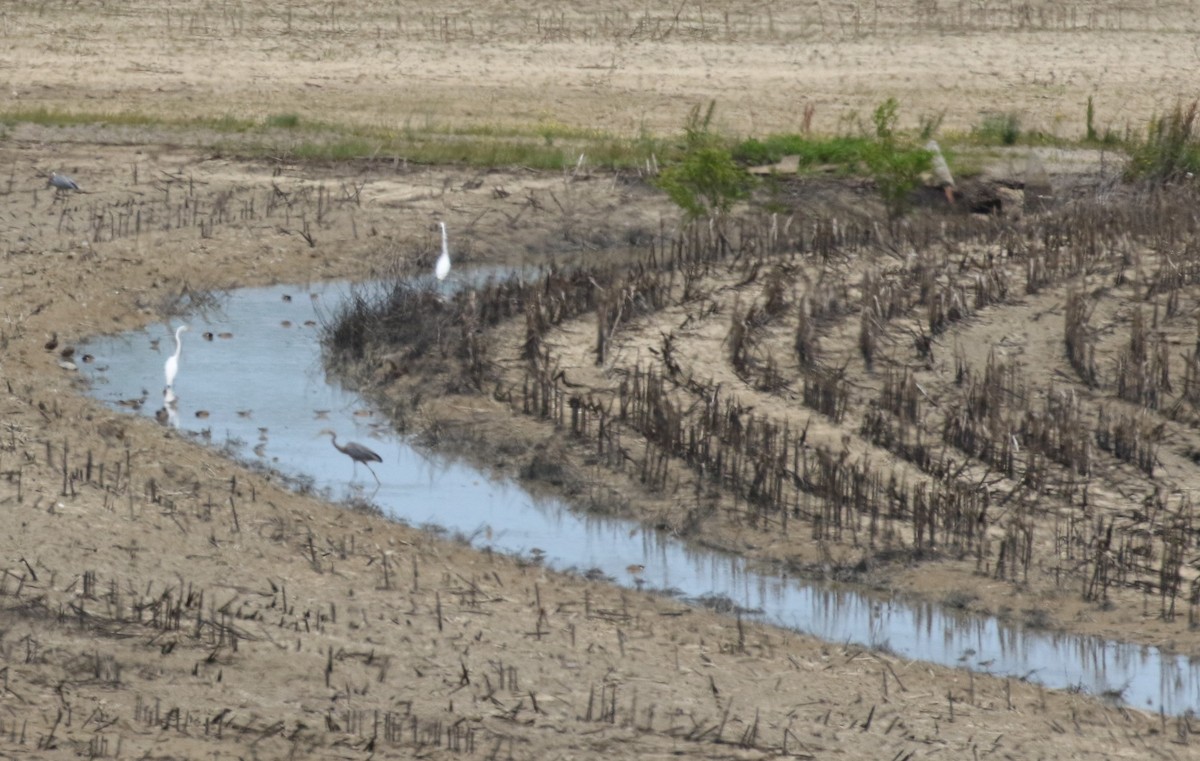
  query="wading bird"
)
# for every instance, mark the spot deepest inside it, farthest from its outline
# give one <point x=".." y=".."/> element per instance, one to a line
<point x="61" y="183"/>
<point x="355" y="451"/>
<point x="442" y="268"/>
<point x="172" y="365"/>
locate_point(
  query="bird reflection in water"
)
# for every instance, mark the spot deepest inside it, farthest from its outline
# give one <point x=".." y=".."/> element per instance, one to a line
<point x="442" y="268"/>
<point x="168" y="414"/>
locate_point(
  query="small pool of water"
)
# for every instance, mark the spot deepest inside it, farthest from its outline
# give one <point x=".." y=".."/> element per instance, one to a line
<point x="250" y="379"/>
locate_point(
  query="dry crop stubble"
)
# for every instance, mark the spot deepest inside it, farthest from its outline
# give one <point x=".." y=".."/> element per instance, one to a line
<point x="998" y="474"/>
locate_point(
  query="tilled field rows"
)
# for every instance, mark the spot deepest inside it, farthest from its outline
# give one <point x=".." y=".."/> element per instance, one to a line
<point x="1016" y="396"/>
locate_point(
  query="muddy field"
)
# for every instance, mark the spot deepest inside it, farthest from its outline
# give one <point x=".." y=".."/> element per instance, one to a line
<point x="161" y="601"/>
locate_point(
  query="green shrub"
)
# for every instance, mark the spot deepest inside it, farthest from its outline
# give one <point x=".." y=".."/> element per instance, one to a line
<point x="705" y="180"/>
<point x="897" y="173"/>
<point x="1171" y="150"/>
<point x="885" y="116"/>
<point x="895" y="168"/>
<point x="894" y="164"/>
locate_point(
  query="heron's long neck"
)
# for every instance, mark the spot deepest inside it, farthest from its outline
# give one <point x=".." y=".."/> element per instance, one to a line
<point x="178" y="343"/>
<point x="445" y="243"/>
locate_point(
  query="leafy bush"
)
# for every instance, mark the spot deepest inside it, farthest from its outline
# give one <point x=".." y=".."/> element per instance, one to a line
<point x="705" y="180"/>
<point x="895" y="168"/>
<point x="897" y="173"/>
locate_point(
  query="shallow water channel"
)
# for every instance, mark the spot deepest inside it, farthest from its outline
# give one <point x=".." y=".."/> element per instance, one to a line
<point x="251" y="380"/>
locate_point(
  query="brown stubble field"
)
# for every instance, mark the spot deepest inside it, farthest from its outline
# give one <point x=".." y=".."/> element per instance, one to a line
<point x="161" y="601"/>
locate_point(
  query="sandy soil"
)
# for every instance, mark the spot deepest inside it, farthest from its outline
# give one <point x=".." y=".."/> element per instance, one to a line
<point x="160" y="601"/>
<point x="621" y="67"/>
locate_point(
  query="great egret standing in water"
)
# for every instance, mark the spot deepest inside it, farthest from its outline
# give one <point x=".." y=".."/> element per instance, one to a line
<point x="442" y="268"/>
<point x="355" y="451"/>
<point x="172" y="366"/>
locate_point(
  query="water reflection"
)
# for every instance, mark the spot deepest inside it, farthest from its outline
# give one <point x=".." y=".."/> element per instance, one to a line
<point x="267" y="377"/>
<point x="168" y="414"/>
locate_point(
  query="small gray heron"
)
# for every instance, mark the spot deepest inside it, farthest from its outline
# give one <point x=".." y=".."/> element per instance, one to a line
<point x="61" y="183"/>
<point x="355" y="451"/>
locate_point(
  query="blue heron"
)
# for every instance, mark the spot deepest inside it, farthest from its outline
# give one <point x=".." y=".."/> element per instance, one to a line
<point x="172" y="365"/>
<point x="61" y="183"/>
<point x="355" y="451"/>
<point x="442" y="268"/>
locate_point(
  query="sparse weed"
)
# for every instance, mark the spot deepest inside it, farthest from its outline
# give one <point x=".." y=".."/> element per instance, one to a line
<point x="1171" y="149"/>
<point x="929" y="124"/>
<point x="49" y="117"/>
<point x="959" y="599"/>
<point x="1038" y="618"/>
<point x="542" y="146"/>
<point x="844" y="150"/>
<point x="342" y="149"/>
<point x="283" y="121"/>
<point x="999" y="128"/>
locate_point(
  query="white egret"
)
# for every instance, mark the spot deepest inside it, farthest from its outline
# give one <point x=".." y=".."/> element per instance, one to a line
<point x="442" y="268"/>
<point x="172" y="365"/>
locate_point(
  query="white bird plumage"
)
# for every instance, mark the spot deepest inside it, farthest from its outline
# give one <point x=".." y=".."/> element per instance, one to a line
<point x="442" y="268"/>
<point x="172" y="365"/>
